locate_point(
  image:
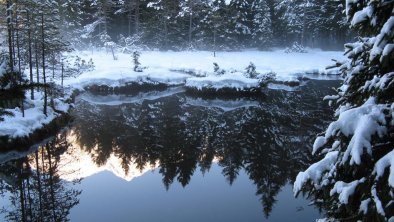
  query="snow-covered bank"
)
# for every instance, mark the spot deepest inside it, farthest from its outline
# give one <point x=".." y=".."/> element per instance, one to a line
<point x="285" y="65"/>
<point x="223" y="82"/>
<point x="18" y="125"/>
<point x="195" y="69"/>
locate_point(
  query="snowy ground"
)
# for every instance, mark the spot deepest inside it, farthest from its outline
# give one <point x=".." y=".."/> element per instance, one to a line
<point x="18" y="125"/>
<point x="195" y="68"/>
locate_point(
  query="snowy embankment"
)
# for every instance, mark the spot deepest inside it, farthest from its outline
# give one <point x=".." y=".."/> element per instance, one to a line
<point x="195" y="69"/>
<point x="18" y="125"/>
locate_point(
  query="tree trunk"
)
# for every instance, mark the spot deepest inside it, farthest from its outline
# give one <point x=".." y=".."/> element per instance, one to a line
<point x="39" y="186"/>
<point x="18" y="48"/>
<point x="30" y="55"/>
<point x="137" y="17"/>
<point x="51" y="182"/>
<point x="165" y="31"/>
<point x="53" y="68"/>
<point x="22" y="193"/>
<point x="43" y="64"/>
<point x="303" y="28"/>
<point x="214" y="42"/>
<point x="190" y="21"/>
<point x="273" y="18"/>
<point x="113" y="53"/>
<point x="62" y="73"/>
<point x="37" y="63"/>
<point x="9" y="29"/>
<point x="130" y="16"/>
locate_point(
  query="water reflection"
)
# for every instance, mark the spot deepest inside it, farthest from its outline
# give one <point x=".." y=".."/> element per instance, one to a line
<point x="34" y="187"/>
<point x="268" y="140"/>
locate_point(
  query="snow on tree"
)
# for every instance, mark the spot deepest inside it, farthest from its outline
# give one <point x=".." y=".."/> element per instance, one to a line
<point x="251" y="71"/>
<point x="355" y="178"/>
<point x="136" y="62"/>
<point x="251" y="22"/>
<point x="163" y="25"/>
<point x="130" y="44"/>
<point x="311" y="21"/>
<point x="71" y="20"/>
<point x="101" y="16"/>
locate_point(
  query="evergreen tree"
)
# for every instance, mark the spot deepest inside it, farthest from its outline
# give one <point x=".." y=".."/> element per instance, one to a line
<point x="262" y="29"/>
<point x="355" y="177"/>
<point x="70" y="20"/>
<point x="133" y="10"/>
<point x="100" y="12"/>
<point x="217" y="26"/>
<point x="251" y="22"/>
<point x="163" y="26"/>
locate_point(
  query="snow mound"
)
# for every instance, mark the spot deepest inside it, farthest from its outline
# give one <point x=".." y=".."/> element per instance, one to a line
<point x="179" y="68"/>
<point x="125" y="76"/>
<point x="18" y="125"/>
<point x="237" y="81"/>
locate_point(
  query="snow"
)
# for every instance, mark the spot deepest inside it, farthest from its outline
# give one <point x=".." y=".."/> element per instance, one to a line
<point x="178" y="68"/>
<point x="378" y="203"/>
<point x="89" y="29"/>
<point x="382" y="164"/>
<point x="2" y="68"/>
<point x="364" y="206"/>
<point x="319" y="142"/>
<point x="380" y="42"/>
<point x="378" y="82"/>
<point x="315" y="171"/>
<point x="345" y="190"/>
<point x="387" y="50"/>
<point x="361" y="124"/>
<point x="362" y="15"/>
<point x="229" y="80"/>
<point x="19" y="126"/>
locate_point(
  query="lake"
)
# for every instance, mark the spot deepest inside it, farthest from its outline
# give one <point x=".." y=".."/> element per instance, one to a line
<point x="171" y="156"/>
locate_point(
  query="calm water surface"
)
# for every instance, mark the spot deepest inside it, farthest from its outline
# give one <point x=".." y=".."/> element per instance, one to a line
<point x="169" y="156"/>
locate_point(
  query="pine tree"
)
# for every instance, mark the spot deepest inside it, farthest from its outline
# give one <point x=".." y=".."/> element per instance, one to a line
<point x="355" y="177"/>
<point x="164" y="29"/>
<point x="133" y="10"/>
<point x="70" y="20"/>
<point x="262" y="29"/>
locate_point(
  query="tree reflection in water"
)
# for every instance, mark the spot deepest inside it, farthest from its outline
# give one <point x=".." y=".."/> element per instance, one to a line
<point x="270" y="139"/>
<point x="34" y="186"/>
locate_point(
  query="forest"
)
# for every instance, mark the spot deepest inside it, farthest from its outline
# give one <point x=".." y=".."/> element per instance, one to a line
<point x="218" y="54"/>
<point x="193" y="24"/>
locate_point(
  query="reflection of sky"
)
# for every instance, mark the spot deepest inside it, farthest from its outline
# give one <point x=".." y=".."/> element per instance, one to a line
<point x="78" y="164"/>
<point x="208" y="197"/>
